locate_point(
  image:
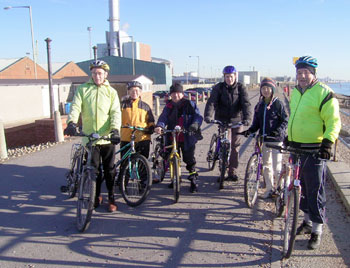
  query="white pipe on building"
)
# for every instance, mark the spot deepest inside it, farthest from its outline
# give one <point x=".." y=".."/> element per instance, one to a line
<point x="114" y="21"/>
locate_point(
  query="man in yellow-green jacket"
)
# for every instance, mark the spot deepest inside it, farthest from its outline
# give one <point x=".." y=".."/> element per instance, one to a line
<point x="99" y="106"/>
<point x="314" y="123"/>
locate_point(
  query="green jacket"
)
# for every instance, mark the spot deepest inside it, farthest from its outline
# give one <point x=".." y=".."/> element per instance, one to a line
<point x="99" y="107"/>
<point x="314" y="115"/>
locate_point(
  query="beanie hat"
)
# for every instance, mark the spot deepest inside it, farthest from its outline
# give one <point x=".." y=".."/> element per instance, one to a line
<point x="269" y="83"/>
<point x="176" y="88"/>
<point x="306" y="66"/>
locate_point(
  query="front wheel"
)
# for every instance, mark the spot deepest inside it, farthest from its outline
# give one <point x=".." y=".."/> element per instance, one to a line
<point x="224" y="163"/>
<point x="136" y="180"/>
<point x="86" y="199"/>
<point x="212" y="154"/>
<point x="251" y="180"/>
<point x="291" y="221"/>
<point x="73" y="176"/>
<point x="158" y="166"/>
<point x="176" y="179"/>
<point x="279" y="196"/>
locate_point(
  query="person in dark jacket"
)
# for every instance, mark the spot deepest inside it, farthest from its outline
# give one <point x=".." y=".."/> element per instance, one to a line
<point x="271" y="119"/>
<point x="185" y="113"/>
<point x="229" y="100"/>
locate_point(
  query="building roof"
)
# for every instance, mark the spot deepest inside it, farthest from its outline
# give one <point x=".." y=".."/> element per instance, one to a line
<point x="5" y="63"/>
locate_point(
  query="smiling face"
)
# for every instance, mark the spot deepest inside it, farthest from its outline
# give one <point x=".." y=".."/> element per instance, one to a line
<point x="134" y="93"/>
<point x="230" y="79"/>
<point x="266" y="92"/>
<point x="99" y="75"/>
<point x="304" y="77"/>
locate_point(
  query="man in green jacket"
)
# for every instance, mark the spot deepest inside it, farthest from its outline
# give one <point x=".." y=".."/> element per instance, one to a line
<point x="314" y="123"/>
<point x="99" y="106"/>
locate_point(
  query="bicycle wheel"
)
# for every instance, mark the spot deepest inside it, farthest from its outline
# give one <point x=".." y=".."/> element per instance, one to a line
<point x="212" y="155"/>
<point x="223" y="166"/>
<point x="251" y="181"/>
<point x="136" y="180"/>
<point x="279" y="196"/>
<point x="73" y="175"/>
<point x="86" y="199"/>
<point x="291" y="222"/>
<point x="176" y="179"/>
<point x="158" y="166"/>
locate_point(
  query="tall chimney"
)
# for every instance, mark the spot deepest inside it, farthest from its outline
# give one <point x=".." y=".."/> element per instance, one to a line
<point x="114" y="20"/>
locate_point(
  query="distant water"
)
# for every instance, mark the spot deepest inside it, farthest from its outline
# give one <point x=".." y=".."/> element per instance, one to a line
<point x="340" y="88"/>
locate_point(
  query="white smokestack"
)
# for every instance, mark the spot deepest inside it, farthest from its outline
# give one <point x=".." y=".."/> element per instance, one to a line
<point x="114" y="21"/>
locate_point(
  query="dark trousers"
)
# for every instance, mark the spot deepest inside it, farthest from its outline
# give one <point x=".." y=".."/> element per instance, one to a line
<point x="235" y="143"/>
<point x="313" y="195"/>
<point x="106" y="153"/>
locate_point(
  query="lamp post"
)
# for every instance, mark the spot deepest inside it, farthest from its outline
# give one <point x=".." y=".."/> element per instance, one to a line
<point x="89" y="30"/>
<point x="32" y="32"/>
<point x="198" y="65"/>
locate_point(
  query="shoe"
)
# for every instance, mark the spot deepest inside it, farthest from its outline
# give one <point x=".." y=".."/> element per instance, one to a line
<point x="304" y="228"/>
<point x="98" y="201"/>
<point x="112" y="207"/>
<point x="314" y="241"/>
<point x="171" y="185"/>
<point x="267" y="194"/>
<point x="193" y="178"/>
<point x="233" y="177"/>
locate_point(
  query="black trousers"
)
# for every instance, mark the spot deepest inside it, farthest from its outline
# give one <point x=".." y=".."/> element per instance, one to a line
<point x="106" y="153"/>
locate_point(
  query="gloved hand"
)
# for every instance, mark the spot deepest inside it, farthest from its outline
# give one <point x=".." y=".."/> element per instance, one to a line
<point x="71" y="129"/>
<point x="207" y="119"/>
<point x="245" y="122"/>
<point x="285" y="141"/>
<point x="150" y="130"/>
<point x="325" y="151"/>
<point x="115" y="137"/>
<point x="193" y="127"/>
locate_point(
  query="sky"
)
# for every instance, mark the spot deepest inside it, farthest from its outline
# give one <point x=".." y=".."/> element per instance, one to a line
<point x="260" y="35"/>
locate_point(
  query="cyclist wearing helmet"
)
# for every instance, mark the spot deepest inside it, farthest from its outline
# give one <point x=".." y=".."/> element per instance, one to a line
<point x="136" y="113"/>
<point x="314" y="123"/>
<point x="229" y="100"/>
<point x="98" y="104"/>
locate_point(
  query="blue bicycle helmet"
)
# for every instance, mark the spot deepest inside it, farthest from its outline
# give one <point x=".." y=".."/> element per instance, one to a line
<point x="134" y="84"/>
<point x="306" y="61"/>
<point x="99" y="64"/>
<point x="229" y="70"/>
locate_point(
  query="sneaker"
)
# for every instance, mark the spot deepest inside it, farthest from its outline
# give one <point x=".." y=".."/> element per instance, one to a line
<point x="304" y="228"/>
<point x="267" y="194"/>
<point x="233" y="177"/>
<point x="98" y="201"/>
<point x="112" y="207"/>
<point x="314" y="241"/>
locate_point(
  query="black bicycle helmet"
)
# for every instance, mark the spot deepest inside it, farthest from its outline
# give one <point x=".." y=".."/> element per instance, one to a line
<point x="134" y="84"/>
<point x="99" y="64"/>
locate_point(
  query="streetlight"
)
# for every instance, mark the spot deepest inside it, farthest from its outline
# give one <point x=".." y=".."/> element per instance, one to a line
<point x="89" y="30"/>
<point x="32" y="32"/>
<point x="198" y="65"/>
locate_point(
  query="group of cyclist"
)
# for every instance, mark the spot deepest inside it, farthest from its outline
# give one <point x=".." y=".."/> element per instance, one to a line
<point x="314" y="122"/>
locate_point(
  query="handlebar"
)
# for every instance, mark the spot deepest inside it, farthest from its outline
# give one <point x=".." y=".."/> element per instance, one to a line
<point x="314" y="152"/>
<point x="226" y="125"/>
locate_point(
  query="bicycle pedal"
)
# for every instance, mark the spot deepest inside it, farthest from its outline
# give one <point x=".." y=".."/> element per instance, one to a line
<point x="64" y="189"/>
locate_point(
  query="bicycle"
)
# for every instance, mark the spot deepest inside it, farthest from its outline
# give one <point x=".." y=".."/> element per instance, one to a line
<point x="219" y="148"/>
<point x="287" y="194"/>
<point x="159" y="164"/>
<point x="135" y="177"/>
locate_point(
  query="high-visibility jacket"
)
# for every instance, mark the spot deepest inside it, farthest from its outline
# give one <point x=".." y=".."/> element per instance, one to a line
<point x="314" y="115"/>
<point x="99" y="107"/>
<point x="136" y="113"/>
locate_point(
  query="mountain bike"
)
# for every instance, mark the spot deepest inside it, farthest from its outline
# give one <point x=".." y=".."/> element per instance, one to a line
<point x="135" y="177"/>
<point x="219" y="148"/>
<point x="159" y="163"/>
<point x="288" y="194"/>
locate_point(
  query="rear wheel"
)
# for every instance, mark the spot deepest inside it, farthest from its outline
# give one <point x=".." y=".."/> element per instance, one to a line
<point x="158" y="166"/>
<point x="279" y="196"/>
<point x="291" y="222"/>
<point x="176" y="179"/>
<point x="86" y="199"/>
<point x="223" y="165"/>
<point x="73" y="175"/>
<point x="136" y="180"/>
<point x="251" y="181"/>
<point x="212" y="154"/>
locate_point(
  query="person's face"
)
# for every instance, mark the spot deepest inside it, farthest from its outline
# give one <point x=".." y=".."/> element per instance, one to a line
<point x="176" y="96"/>
<point x="266" y="92"/>
<point x="230" y="79"/>
<point x="99" y="76"/>
<point x="134" y="93"/>
<point x="304" y="77"/>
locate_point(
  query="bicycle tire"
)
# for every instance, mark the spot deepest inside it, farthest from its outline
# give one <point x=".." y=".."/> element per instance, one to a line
<point x="223" y="167"/>
<point x="212" y="155"/>
<point x="136" y="180"/>
<point x="251" y="181"/>
<point x="291" y="222"/>
<point x="279" y="196"/>
<point x="86" y="199"/>
<point x="158" y="166"/>
<point x="72" y="176"/>
<point x="176" y="179"/>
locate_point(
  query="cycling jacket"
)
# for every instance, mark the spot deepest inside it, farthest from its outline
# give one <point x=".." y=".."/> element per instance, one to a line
<point x="99" y="107"/>
<point x="314" y="115"/>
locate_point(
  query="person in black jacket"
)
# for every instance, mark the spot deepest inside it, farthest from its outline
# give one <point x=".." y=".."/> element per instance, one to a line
<point x="271" y="119"/>
<point x="182" y="112"/>
<point x="229" y="100"/>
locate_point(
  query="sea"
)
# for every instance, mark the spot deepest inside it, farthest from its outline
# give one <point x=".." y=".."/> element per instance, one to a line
<point x="340" y="88"/>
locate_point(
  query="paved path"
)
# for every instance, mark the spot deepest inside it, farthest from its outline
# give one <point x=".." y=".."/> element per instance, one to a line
<point x="209" y="229"/>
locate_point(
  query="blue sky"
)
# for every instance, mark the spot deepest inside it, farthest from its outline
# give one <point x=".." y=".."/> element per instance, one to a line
<point x="260" y="34"/>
